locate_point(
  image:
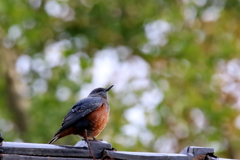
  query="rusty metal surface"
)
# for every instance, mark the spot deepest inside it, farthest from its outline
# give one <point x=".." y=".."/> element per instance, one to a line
<point x="24" y="157"/>
<point x="36" y="149"/>
<point x="144" y="155"/>
<point x="193" y="151"/>
<point x="101" y="150"/>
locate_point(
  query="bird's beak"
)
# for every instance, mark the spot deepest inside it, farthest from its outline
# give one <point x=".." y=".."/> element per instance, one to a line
<point x="109" y="88"/>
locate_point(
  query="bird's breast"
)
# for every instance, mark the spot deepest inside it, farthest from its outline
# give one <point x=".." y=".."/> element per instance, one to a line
<point x="98" y="119"/>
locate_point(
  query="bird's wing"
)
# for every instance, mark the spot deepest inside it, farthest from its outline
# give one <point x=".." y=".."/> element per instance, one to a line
<point x="80" y="110"/>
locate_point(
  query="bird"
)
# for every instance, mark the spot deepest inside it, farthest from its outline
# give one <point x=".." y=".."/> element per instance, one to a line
<point x="87" y="118"/>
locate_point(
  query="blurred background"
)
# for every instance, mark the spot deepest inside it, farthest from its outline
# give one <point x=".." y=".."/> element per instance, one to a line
<point x="175" y="66"/>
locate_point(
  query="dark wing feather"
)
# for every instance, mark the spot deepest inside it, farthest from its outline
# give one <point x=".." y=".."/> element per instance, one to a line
<point x="80" y="110"/>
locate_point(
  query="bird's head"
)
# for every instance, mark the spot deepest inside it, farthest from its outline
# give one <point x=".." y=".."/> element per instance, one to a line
<point x="100" y="92"/>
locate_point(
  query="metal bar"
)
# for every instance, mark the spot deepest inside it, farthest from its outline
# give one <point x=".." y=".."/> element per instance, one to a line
<point x="24" y="157"/>
<point x="37" y="149"/>
<point x="101" y="150"/>
<point x="144" y="155"/>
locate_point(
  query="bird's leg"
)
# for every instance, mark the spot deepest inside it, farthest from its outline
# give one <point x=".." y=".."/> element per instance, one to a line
<point x="92" y="136"/>
<point x="86" y="139"/>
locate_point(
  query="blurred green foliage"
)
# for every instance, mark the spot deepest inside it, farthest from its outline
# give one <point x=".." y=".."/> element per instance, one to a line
<point x="187" y="45"/>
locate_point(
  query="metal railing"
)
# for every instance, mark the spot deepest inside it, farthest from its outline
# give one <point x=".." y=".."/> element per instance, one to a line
<point x="101" y="150"/>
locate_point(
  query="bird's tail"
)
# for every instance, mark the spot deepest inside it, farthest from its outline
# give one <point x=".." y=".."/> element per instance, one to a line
<point x="53" y="139"/>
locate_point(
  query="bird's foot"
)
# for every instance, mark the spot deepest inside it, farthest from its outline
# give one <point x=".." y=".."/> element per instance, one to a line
<point x="89" y="147"/>
<point x="96" y="140"/>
